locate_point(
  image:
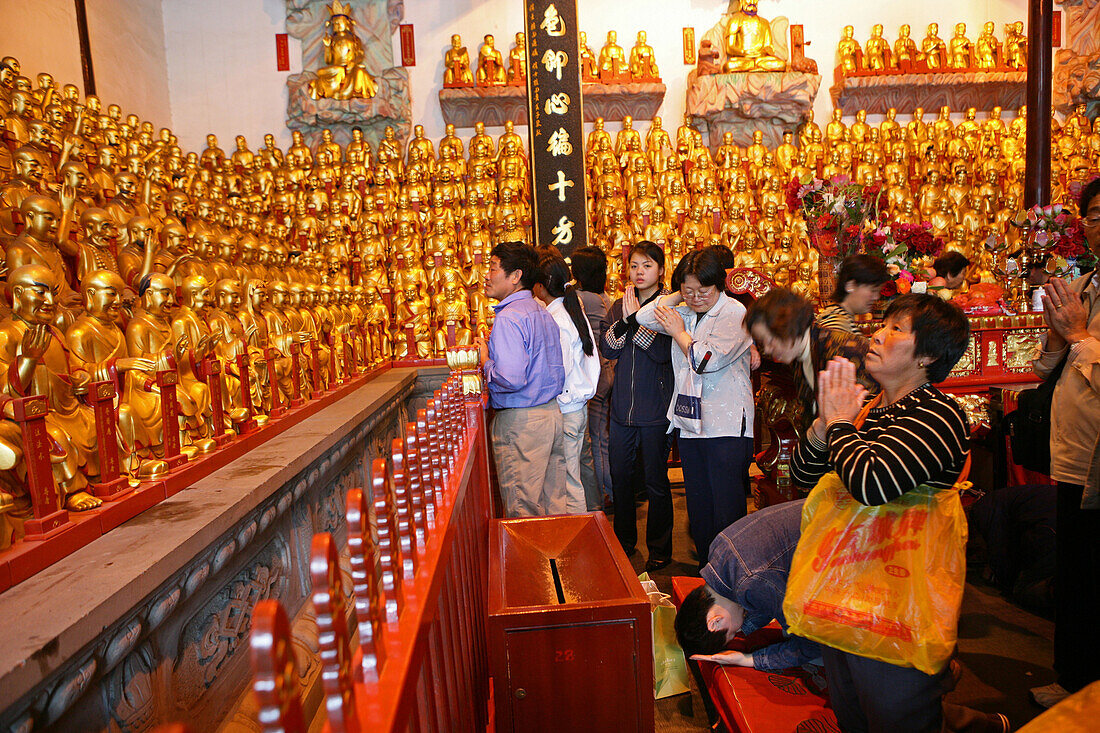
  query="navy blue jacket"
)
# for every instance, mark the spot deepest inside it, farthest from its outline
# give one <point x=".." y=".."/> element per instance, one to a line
<point x="642" y="390"/>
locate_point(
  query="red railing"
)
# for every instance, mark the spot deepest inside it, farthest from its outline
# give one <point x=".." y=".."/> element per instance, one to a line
<point x="419" y="590"/>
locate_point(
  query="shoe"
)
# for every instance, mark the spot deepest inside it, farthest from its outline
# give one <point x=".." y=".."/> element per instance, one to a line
<point x="1049" y="695"/>
<point x="652" y="565"/>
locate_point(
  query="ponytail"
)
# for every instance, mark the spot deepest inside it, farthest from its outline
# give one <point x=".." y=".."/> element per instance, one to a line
<point x="555" y="278"/>
<point x="573" y="307"/>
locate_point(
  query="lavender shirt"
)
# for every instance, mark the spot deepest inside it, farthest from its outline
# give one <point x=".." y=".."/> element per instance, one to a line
<point x="524" y="367"/>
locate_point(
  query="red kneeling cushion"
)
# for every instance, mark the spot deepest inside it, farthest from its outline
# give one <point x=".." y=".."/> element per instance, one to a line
<point x="751" y="701"/>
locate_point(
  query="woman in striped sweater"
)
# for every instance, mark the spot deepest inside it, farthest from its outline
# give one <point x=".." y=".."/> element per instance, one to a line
<point x="915" y="435"/>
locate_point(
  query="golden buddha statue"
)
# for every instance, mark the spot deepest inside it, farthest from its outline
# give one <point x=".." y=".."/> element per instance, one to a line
<point x="589" y="66"/>
<point x="40" y="244"/>
<point x="1015" y="48"/>
<point x="456" y="63"/>
<point x="932" y="49"/>
<point x="34" y="361"/>
<point x="490" y="65"/>
<point x="343" y="77"/>
<point x="189" y="327"/>
<point x="848" y="50"/>
<point x="99" y="346"/>
<point x="377" y="318"/>
<point x="99" y="236"/>
<point x="958" y="49"/>
<point x="416" y="311"/>
<point x="612" y="61"/>
<point x="876" y="51"/>
<point x="987" y="48"/>
<point x="135" y="260"/>
<point x="643" y="62"/>
<point x="517" y="61"/>
<point x="836" y="130"/>
<point x="452" y="311"/>
<point x="230" y="341"/>
<point x="30" y="166"/>
<point x="149" y="335"/>
<point x="748" y="42"/>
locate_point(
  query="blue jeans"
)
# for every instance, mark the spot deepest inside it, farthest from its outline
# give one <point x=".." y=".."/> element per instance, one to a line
<point x="716" y="475"/>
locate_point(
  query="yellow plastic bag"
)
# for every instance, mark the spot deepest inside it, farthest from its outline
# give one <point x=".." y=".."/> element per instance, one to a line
<point x="884" y="582"/>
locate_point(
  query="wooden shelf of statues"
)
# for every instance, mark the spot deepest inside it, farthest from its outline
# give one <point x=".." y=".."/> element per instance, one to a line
<point x="982" y="74"/>
<point x="615" y="85"/>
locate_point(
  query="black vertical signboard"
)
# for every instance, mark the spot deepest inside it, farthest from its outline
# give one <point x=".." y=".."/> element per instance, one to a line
<point x="556" y="125"/>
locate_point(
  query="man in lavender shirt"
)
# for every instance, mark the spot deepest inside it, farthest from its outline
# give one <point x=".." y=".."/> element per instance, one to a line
<point x="524" y="372"/>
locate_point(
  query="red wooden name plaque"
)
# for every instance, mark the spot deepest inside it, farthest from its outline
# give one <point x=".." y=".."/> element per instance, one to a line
<point x="282" y="52"/>
<point x="408" y="45"/>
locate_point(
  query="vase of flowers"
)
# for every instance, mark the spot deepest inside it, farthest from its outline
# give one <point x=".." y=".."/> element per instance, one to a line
<point x="837" y="212"/>
<point x="1053" y="230"/>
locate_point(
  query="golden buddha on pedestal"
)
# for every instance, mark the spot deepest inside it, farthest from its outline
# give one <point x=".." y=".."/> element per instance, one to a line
<point x="749" y="43"/>
<point x="344" y="76"/>
<point x="34" y="361"/>
<point x="932" y="49"/>
<point x="456" y="64"/>
<point x="848" y="50"/>
<point x="612" y="61"/>
<point x="490" y="64"/>
<point x="643" y="62"/>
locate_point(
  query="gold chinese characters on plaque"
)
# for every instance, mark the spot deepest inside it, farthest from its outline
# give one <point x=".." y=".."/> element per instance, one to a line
<point x="689" y="46"/>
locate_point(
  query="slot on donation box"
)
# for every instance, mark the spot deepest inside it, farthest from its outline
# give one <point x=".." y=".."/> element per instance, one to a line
<point x="569" y="628"/>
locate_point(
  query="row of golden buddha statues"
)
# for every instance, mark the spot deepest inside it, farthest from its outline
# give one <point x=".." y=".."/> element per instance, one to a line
<point x="958" y="53"/>
<point x="612" y="66"/>
<point x="965" y="178"/>
<point x="126" y="257"/>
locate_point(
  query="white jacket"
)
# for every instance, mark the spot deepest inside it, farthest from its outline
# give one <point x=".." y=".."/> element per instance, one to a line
<point x="727" y="398"/>
<point x="582" y="371"/>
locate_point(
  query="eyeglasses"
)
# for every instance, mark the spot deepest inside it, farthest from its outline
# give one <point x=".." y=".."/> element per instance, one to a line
<point x="1090" y="222"/>
<point x="701" y="294"/>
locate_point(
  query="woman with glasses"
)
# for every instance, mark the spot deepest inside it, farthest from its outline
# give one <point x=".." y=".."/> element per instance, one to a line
<point x="710" y="340"/>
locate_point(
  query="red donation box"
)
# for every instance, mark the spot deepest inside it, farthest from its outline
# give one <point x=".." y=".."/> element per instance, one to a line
<point x="569" y="628"/>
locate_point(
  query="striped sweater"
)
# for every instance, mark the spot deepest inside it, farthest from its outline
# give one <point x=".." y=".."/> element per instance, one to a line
<point x="923" y="438"/>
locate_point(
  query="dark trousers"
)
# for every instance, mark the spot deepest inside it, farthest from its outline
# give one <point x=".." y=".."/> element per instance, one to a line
<point x="624" y="445"/>
<point x="716" y="475"/>
<point x="869" y="696"/>
<point x="1076" y="591"/>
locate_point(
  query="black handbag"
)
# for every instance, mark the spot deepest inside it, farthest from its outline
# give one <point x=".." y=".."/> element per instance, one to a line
<point x="1029" y="425"/>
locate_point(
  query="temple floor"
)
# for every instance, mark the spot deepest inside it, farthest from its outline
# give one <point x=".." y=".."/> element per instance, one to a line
<point x="1004" y="649"/>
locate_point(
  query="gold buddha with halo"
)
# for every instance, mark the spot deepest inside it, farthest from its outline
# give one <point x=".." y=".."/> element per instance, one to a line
<point x="344" y="77"/>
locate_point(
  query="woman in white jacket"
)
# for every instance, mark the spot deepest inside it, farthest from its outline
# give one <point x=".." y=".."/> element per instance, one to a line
<point x="582" y="367"/>
<point x="712" y="352"/>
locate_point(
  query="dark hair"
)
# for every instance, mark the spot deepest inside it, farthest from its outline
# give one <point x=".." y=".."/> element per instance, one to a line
<point x="650" y="250"/>
<point x="589" y="265"/>
<point x="1088" y="193"/>
<point x="681" y="269"/>
<point x="951" y="263"/>
<point x="708" y="266"/>
<point x="785" y="313"/>
<point x="519" y="256"/>
<point x="861" y="270"/>
<point x="725" y="255"/>
<point x="940" y="330"/>
<point x="144" y="283"/>
<point x="555" y="278"/>
<point x="691" y="625"/>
